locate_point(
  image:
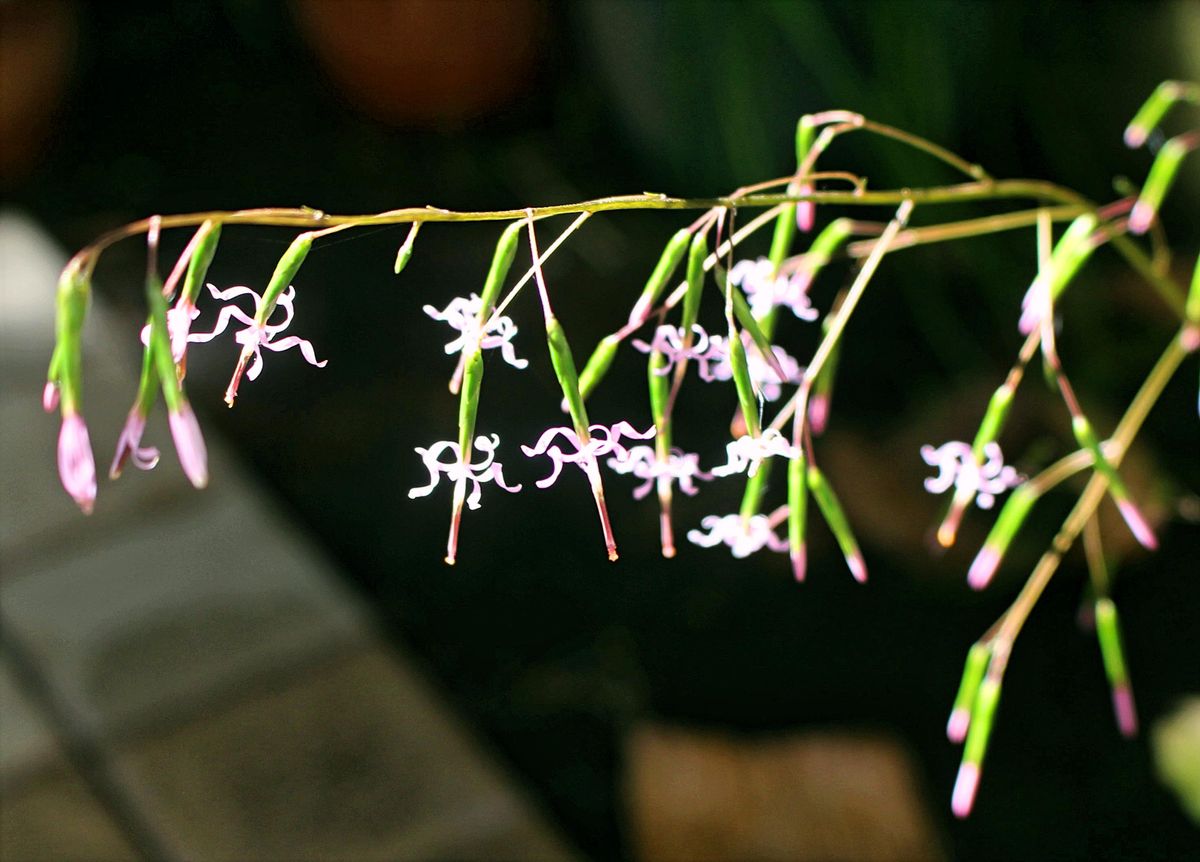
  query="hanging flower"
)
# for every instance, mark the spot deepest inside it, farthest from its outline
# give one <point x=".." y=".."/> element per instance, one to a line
<point x="744" y="536"/>
<point x="957" y="466"/>
<point x="179" y="324"/>
<point x="487" y="469"/>
<point x="605" y="440"/>
<point x="129" y="446"/>
<point x="670" y="342"/>
<point x="256" y="336"/>
<point x="767" y="289"/>
<point x="762" y="375"/>
<point x="746" y="453"/>
<point x="76" y="466"/>
<point x="642" y="462"/>
<point x="463" y="314"/>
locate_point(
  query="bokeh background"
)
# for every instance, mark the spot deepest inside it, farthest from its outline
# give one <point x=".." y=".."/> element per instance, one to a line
<point x="112" y="111"/>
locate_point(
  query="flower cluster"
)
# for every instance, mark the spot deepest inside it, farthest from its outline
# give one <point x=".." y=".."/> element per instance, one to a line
<point x="957" y="467"/>
<point x="767" y="289"/>
<point x="642" y="462"/>
<point x="462" y="313"/>
<point x="744" y="536"/>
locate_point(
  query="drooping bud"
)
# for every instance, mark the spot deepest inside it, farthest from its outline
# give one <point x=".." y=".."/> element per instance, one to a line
<point x="404" y="254"/>
<point x="1152" y="111"/>
<point x="797" y="512"/>
<point x="1137" y="523"/>
<point x="978" y="657"/>
<point x="1159" y="181"/>
<point x="189" y="443"/>
<point x="835" y="516"/>
<point x="668" y="262"/>
<point x="76" y="466"/>
<point x="1108" y="632"/>
<point x="1012" y="515"/>
<point x="983" y="711"/>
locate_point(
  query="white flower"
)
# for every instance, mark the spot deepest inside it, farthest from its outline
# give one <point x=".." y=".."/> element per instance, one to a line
<point x="746" y="453"/>
<point x="744" y="536"/>
<point x="956" y="466"/>
<point x="463" y="314"/>
<point x="643" y="463"/>
<point x="605" y="440"/>
<point x="669" y="341"/>
<point x="767" y="290"/>
<point x="762" y="375"/>
<point x="486" y="470"/>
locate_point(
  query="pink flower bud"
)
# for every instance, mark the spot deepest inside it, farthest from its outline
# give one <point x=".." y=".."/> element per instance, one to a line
<point x="76" y="466"/>
<point x="189" y="444"/>
<point x="965" y="787"/>
<point x="983" y="568"/>
<point x="50" y="396"/>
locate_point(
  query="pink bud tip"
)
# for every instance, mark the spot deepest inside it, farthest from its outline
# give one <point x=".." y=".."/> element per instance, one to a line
<point x="818" y="414"/>
<point x="983" y="568"/>
<point x="76" y="466"/>
<point x="806" y="211"/>
<point x="1141" y="218"/>
<point x="1125" y="711"/>
<point x="1138" y="525"/>
<point x="965" y="787"/>
<point x="50" y="397"/>
<point x="956" y="727"/>
<point x="189" y="444"/>
<point x="800" y="563"/>
<point x="1135" y="136"/>
<point x="1189" y="339"/>
<point x="857" y="567"/>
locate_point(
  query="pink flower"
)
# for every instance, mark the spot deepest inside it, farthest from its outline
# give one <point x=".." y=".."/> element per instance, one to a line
<point x="670" y="342"/>
<point x="642" y="462"/>
<point x="605" y="440"/>
<point x="463" y="314"/>
<point x="957" y="466"/>
<point x="179" y="324"/>
<point x="746" y="453"/>
<point x="762" y="375"/>
<point x="766" y="289"/>
<point x="189" y="444"/>
<point x="486" y="470"/>
<point x="129" y="446"/>
<point x="50" y="396"/>
<point x="255" y="336"/>
<point x="76" y="466"/>
<point x="744" y="536"/>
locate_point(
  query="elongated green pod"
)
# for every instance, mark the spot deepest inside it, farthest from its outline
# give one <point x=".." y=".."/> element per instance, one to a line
<point x="405" y="252"/>
<point x="468" y="401"/>
<point x="822" y="397"/>
<point x="993" y="419"/>
<point x="835" y="516"/>
<point x="806" y="132"/>
<point x="781" y="239"/>
<point x="978" y="657"/>
<point x="1137" y="523"/>
<point x="827" y="243"/>
<point x="284" y="272"/>
<point x="756" y="489"/>
<point x="1070" y="254"/>
<point x="1108" y="632"/>
<point x="1158" y="183"/>
<point x="983" y="713"/>
<point x="797" y="496"/>
<point x="745" y="318"/>
<point x="72" y="300"/>
<point x="668" y="262"/>
<point x="1192" y="307"/>
<point x="160" y="346"/>
<point x="660" y="394"/>
<point x="1011" y="517"/>
<point x="1152" y="111"/>
<point x="743" y="383"/>
<point x="697" y="252"/>
<point x="502" y="260"/>
<point x="598" y="364"/>
<point x="568" y="379"/>
<point x="208" y="235"/>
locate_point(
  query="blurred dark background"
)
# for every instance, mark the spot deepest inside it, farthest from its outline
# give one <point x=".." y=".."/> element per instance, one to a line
<point x="549" y="651"/>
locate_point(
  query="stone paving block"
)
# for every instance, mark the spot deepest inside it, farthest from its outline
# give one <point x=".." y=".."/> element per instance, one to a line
<point x="175" y="608"/>
<point x="53" y="816"/>
<point x="356" y="760"/>
<point x="26" y="742"/>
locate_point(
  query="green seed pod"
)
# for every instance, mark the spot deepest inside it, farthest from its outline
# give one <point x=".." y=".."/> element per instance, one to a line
<point x="797" y="496"/>
<point x="660" y="393"/>
<point x="756" y="488"/>
<point x="827" y="243"/>
<point x="746" y="319"/>
<point x="468" y="401"/>
<point x="160" y="345"/>
<point x="404" y="253"/>
<point x="1158" y="183"/>
<point x="993" y="419"/>
<point x="1070" y="254"/>
<point x="835" y="517"/>
<point x="598" y="364"/>
<point x="805" y="134"/>
<point x="697" y="253"/>
<point x="983" y="711"/>
<point x="208" y="235"/>
<point x="1087" y="439"/>
<point x="502" y="260"/>
<point x="1150" y="114"/>
<point x="284" y="272"/>
<point x="781" y="240"/>
<point x="743" y="383"/>
<point x="73" y="296"/>
<point x="564" y="369"/>
<point x="668" y="262"/>
<point x="1108" y="631"/>
<point x="978" y="658"/>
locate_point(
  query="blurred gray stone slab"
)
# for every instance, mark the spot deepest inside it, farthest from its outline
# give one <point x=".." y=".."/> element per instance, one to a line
<point x="25" y="739"/>
<point x="175" y="607"/>
<point x="52" y="816"/>
<point x="355" y="760"/>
